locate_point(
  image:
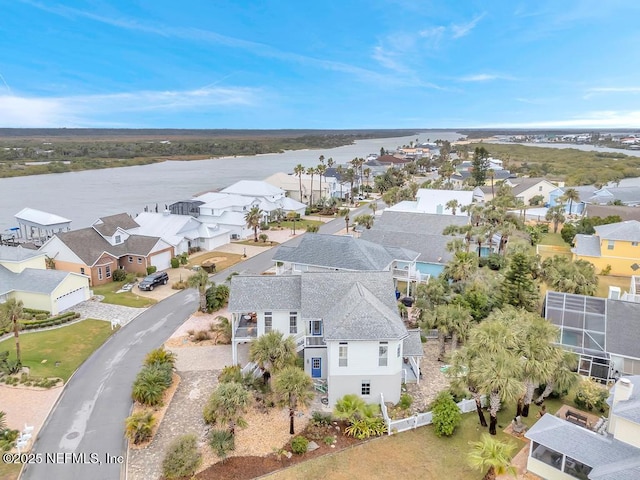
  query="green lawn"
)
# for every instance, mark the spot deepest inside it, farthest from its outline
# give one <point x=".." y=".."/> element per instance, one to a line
<point x="70" y="345"/>
<point x="415" y="454"/>
<point x="553" y="239"/>
<point x="300" y="224"/>
<point x="127" y="299"/>
<point x="9" y="471"/>
<point x="605" y="281"/>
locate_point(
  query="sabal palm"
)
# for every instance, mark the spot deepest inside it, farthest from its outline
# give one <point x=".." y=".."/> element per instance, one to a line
<point x="298" y="170"/>
<point x="311" y="171"/>
<point x="293" y="386"/>
<point x="321" y="170"/>
<point x="563" y="377"/>
<point x="200" y="280"/>
<point x="491" y="455"/>
<point x="461" y="266"/>
<point x="452" y="205"/>
<point x="572" y="195"/>
<point x="458" y="373"/>
<point x="226" y="405"/>
<point x="10" y="312"/>
<point x="253" y="218"/>
<point x="272" y="351"/>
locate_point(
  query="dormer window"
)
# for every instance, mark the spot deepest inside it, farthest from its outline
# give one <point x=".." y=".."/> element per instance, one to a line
<point x="118" y="239"/>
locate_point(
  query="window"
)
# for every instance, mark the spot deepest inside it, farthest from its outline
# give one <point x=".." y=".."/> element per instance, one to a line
<point x="268" y="321"/>
<point x="99" y="273"/>
<point x="383" y="352"/>
<point x="82" y="270"/>
<point x="293" y="322"/>
<point x="139" y="260"/>
<point x="130" y="259"/>
<point x="343" y="351"/>
<point x="366" y="387"/>
<point x="108" y="271"/>
<point x="118" y="239"/>
<point x="540" y="188"/>
<point x="398" y="351"/>
<point x="610" y="244"/>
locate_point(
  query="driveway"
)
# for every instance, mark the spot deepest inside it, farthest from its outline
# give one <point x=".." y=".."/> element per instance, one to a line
<point x="106" y="311"/>
<point x="89" y="416"/>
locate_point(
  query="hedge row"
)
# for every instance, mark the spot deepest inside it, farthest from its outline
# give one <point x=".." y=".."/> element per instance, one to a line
<point x="50" y="322"/>
<point x="33" y="311"/>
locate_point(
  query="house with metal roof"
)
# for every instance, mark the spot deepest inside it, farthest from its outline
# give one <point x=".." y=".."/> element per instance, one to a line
<point x="429" y="200"/>
<point x="37" y="225"/>
<point x="98" y="250"/>
<point x="562" y="450"/>
<point x="24" y="276"/>
<point x="615" y="245"/>
<point x="603" y="332"/>
<point x="346" y="326"/>
<point x="322" y="253"/>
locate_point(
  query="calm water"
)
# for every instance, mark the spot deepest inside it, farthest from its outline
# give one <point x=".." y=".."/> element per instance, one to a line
<point x="84" y="196"/>
<point x="584" y="148"/>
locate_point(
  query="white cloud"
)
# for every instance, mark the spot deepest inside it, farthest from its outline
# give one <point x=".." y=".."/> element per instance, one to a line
<point x="461" y="30"/>
<point x="91" y="110"/>
<point x="484" y="77"/>
<point x="591" y="92"/>
<point x="595" y="119"/>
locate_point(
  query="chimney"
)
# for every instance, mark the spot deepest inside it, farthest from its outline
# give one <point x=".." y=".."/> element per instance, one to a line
<point x="166" y="213"/>
<point x="614" y="293"/>
<point x="623" y="391"/>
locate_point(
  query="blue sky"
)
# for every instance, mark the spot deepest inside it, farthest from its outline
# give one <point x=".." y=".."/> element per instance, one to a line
<point x="332" y="64"/>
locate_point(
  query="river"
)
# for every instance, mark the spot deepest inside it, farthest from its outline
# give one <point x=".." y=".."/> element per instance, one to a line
<point x="584" y="148"/>
<point x="85" y="196"/>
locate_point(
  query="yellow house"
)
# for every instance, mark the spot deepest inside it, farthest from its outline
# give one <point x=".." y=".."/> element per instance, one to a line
<point x="616" y="245"/>
<point x="24" y="276"/>
<point x="609" y="450"/>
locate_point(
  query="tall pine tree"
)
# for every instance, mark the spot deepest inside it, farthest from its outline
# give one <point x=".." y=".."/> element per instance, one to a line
<point x="480" y="165"/>
<point x="519" y="288"/>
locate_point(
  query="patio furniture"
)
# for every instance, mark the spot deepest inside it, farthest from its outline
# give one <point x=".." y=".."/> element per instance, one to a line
<point x="576" y="418"/>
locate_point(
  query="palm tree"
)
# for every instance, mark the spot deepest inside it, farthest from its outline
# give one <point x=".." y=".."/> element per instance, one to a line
<point x="253" y="218"/>
<point x="330" y="162"/>
<point x="440" y="319"/>
<point x="373" y="206"/>
<point x="226" y="405"/>
<point x="461" y="266"/>
<point x="452" y="205"/>
<point x="563" y="377"/>
<point x="365" y="220"/>
<point x="321" y="170"/>
<point x="272" y="352"/>
<point x="572" y="195"/>
<point x="491" y="454"/>
<point x="222" y="329"/>
<point x="345" y="213"/>
<point x="367" y="174"/>
<point x="292" y="217"/>
<point x="293" y="386"/>
<point x="200" y="280"/>
<point x="555" y="215"/>
<point x="311" y="171"/>
<point x="10" y="313"/>
<point x="222" y="442"/>
<point x="299" y="170"/>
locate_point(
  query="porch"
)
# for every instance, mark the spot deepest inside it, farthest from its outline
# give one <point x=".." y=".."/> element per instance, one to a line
<point x="408" y="274"/>
<point x="411" y="370"/>
<point x="245" y="326"/>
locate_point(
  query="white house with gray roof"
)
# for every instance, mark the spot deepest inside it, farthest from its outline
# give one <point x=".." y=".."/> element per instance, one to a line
<point x="346" y="326"/>
<point x="321" y="253"/>
<point x="561" y="450"/>
<point x="435" y="201"/>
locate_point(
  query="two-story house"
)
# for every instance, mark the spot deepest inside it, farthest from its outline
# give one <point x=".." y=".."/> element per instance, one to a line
<point x="327" y="188"/>
<point x="560" y="450"/>
<point x="346" y="326"/>
<point x="328" y="253"/>
<point x="436" y="202"/>
<point x="615" y="245"/>
<point x="98" y="250"/>
<point x="25" y="277"/>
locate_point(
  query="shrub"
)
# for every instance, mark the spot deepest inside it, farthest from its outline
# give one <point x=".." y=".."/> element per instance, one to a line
<point x="405" y="401"/>
<point x="366" y="427"/>
<point x="175" y="262"/>
<point x="446" y="414"/>
<point x="182" y="458"/>
<point x="151" y="383"/>
<point x="222" y="442"/>
<point x="41" y="316"/>
<point x="590" y="394"/>
<point x="151" y="269"/>
<point x="160" y="356"/>
<point x="230" y="373"/>
<point x="119" y="275"/>
<point x="201" y="336"/>
<point x="139" y="426"/>
<point x="329" y="440"/>
<point x="264" y="226"/>
<point x="321" y="419"/>
<point x="180" y="285"/>
<point x="606" y="270"/>
<point x="8" y="440"/>
<point x="299" y="445"/>
<point x="263" y="237"/>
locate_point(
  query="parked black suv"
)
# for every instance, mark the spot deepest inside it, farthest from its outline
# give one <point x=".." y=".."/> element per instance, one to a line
<point x="150" y="281"/>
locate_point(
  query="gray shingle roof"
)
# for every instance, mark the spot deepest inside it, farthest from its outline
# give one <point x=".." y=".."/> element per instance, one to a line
<point x="627" y="195"/>
<point x="432" y="248"/>
<point x="107" y="226"/>
<point x="412" y="345"/>
<point x="581" y="444"/>
<point x="587" y="245"/>
<point x="89" y="245"/>
<point x="624" y="212"/>
<point x="523" y="183"/>
<point x="630" y="408"/>
<point x="359" y="315"/>
<point x="629" y="231"/>
<point x="16" y="254"/>
<point x="623" y="329"/>
<point x="252" y="293"/>
<point x="342" y="252"/>
<point x="30" y="280"/>
<point x="423" y="223"/>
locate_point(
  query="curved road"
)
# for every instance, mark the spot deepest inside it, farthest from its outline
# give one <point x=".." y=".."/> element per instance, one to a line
<point x="83" y="436"/>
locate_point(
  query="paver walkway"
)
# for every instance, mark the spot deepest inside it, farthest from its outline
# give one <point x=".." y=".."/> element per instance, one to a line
<point x="106" y="311"/>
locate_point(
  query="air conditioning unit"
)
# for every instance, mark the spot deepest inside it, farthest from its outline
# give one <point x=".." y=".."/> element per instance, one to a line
<point x="235" y="236"/>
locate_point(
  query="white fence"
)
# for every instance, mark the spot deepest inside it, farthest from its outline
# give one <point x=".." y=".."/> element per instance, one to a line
<point x="421" y="419"/>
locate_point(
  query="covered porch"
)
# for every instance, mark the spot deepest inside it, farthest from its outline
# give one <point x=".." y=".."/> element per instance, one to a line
<point x="244" y="328"/>
<point x="412" y="352"/>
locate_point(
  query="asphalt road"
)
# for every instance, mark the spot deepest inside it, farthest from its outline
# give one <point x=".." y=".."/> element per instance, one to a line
<point x="88" y="420"/>
<point x="85" y="430"/>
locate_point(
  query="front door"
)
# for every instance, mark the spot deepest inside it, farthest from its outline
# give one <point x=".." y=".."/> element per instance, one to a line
<point x="316" y="367"/>
<point x="316" y="328"/>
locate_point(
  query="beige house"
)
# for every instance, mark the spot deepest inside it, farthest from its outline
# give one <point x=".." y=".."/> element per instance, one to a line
<point x="526" y="188"/>
<point x="291" y="185"/>
<point x="24" y="277"/>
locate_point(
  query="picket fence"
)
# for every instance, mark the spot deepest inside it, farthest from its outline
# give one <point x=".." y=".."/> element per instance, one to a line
<point x="421" y="419"/>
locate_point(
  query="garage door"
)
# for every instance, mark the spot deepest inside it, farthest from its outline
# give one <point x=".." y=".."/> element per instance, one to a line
<point x="161" y="261"/>
<point x="70" y="299"/>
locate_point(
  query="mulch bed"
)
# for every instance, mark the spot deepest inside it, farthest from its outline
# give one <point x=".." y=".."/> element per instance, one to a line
<point x="245" y="468"/>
